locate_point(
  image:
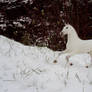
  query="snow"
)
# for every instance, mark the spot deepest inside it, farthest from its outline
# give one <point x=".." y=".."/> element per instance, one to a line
<point x="32" y="69"/>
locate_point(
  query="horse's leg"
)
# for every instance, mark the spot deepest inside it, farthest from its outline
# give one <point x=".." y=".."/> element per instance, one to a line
<point x="90" y="55"/>
<point x="68" y="56"/>
<point x="65" y="51"/>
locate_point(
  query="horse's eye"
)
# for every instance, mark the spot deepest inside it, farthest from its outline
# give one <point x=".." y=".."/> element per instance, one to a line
<point x="66" y="27"/>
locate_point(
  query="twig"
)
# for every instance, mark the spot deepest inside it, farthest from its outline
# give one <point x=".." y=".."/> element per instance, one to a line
<point x="77" y="77"/>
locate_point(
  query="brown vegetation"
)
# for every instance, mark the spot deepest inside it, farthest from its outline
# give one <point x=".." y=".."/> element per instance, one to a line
<point x="39" y="22"/>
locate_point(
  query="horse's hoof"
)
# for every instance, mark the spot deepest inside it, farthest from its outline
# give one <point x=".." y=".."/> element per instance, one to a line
<point x="86" y="66"/>
<point x="71" y="64"/>
<point x="55" y="61"/>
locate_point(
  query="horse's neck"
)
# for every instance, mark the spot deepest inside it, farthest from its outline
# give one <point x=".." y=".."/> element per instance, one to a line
<point x="73" y="37"/>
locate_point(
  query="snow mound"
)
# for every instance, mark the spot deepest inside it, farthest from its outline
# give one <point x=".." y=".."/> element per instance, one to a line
<point x="32" y="69"/>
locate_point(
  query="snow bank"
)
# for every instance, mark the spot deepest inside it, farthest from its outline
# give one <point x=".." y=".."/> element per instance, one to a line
<point x="32" y="69"/>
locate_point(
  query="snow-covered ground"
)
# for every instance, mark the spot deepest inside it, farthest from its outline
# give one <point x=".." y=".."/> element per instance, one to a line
<point x="32" y="69"/>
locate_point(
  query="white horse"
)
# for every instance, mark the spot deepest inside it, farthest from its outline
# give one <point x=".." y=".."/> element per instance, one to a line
<point x="75" y="45"/>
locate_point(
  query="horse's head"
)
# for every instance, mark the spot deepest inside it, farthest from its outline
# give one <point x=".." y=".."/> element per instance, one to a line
<point x="67" y="29"/>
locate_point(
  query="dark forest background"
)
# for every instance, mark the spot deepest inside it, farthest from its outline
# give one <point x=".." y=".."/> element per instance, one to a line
<point x="39" y="22"/>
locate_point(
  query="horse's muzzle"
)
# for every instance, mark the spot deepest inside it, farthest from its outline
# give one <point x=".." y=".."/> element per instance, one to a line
<point x="61" y="34"/>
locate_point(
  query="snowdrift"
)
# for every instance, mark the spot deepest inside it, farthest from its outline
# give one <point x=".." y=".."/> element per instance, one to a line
<point x="32" y="69"/>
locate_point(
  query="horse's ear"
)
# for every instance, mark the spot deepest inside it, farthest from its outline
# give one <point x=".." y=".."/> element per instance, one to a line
<point x="67" y="23"/>
<point x="64" y="22"/>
